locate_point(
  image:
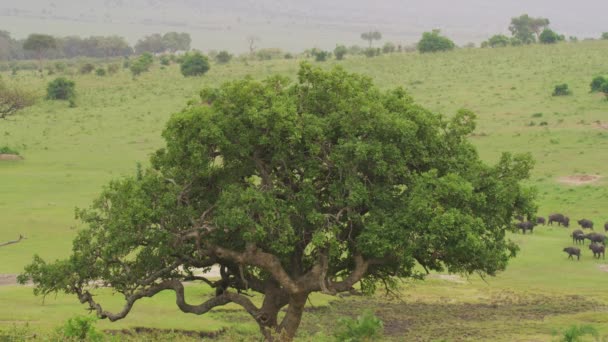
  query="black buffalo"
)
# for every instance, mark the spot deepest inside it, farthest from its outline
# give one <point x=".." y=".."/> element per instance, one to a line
<point x="596" y="238"/>
<point x="573" y="251"/>
<point x="578" y="236"/>
<point x="598" y="250"/>
<point x="560" y="219"/>
<point x="527" y="225"/>
<point x="541" y="220"/>
<point x="584" y="223"/>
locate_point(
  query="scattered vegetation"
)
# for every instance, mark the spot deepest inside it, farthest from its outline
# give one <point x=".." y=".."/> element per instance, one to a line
<point x="223" y="57"/>
<point x="371" y="36"/>
<point x="340" y="51"/>
<point x="141" y="64"/>
<point x="597" y="83"/>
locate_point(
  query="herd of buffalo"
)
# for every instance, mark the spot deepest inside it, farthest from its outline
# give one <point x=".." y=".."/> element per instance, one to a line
<point x="597" y="241"/>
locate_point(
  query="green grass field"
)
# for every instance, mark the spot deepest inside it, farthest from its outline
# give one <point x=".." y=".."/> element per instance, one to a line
<point x="70" y="153"/>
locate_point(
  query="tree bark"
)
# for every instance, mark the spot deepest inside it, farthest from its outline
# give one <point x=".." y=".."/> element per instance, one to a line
<point x="293" y="317"/>
<point x="12" y="242"/>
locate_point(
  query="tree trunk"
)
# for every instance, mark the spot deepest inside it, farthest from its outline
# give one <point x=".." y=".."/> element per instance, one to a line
<point x="291" y="321"/>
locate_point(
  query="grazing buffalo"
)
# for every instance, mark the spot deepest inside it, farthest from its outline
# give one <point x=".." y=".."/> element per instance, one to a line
<point x="584" y="223"/>
<point x="573" y="251"/>
<point x="541" y="220"/>
<point x="598" y="250"/>
<point x="578" y="236"/>
<point x="560" y="219"/>
<point x="527" y="225"/>
<point x="606" y="227"/>
<point x="596" y="238"/>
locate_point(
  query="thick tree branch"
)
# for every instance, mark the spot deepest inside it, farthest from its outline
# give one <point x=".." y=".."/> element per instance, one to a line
<point x="175" y="285"/>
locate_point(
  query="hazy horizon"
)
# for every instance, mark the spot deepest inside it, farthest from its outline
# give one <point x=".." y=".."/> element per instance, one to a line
<point x="292" y="25"/>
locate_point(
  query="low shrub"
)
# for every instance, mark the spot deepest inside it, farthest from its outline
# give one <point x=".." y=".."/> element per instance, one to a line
<point x="561" y="90"/>
<point x="8" y="150"/>
<point x="194" y="64"/>
<point x="597" y="83"/>
<point x="100" y="72"/>
<point x="366" y="327"/>
<point x="87" y="68"/>
<point x="61" y="89"/>
<point x="79" y="328"/>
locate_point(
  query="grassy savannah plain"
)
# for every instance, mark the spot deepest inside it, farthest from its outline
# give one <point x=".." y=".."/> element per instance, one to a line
<point x="70" y="153"/>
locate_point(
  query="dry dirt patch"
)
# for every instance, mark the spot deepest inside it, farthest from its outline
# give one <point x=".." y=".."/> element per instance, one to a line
<point x="4" y="156"/>
<point x="579" y="179"/>
<point x="8" y="279"/>
<point x="603" y="268"/>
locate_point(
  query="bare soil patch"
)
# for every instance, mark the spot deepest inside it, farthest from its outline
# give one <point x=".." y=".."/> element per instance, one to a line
<point x="603" y="268"/>
<point x="602" y="125"/>
<point x="454" y="278"/>
<point x="579" y="179"/>
<point x="8" y="279"/>
<point x="4" y="156"/>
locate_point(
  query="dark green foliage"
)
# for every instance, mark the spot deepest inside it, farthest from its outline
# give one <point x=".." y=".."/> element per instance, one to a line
<point x="86" y="68"/>
<point x="320" y="55"/>
<point x="156" y="43"/>
<point x="605" y="35"/>
<point x="194" y="64"/>
<point x="435" y="42"/>
<point x="597" y="83"/>
<point x="548" y="36"/>
<point x="141" y="64"/>
<point x="288" y="184"/>
<point x="605" y="89"/>
<point x="561" y="90"/>
<point x="8" y="150"/>
<point x="223" y="57"/>
<point x="165" y="60"/>
<point x="268" y="54"/>
<point x="499" y="40"/>
<point x="288" y="56"/>
<point x="100" y="72"/>
<point x="366" y="327"/>
<point x="340" y="51"/>
<point x="39" y="43"/>
<point x="61" y="89"/>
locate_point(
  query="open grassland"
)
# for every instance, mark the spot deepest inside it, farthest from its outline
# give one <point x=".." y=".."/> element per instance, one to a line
<point x="70" y="153"/>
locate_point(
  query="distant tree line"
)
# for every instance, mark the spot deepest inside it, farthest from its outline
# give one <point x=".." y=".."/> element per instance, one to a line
<point x="526" y="30"/>
<point x="39" y="46"/>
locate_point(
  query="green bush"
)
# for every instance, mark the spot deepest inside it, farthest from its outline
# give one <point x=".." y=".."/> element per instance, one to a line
<point x="498" y="40"/>
<point x="165" y="60"/>
<point x="61" y="89"/>
<point x="100" y="72"/>
<point x="8" y="150"/>
<point x="605" y="35"/>
<point x="366" y="327"/>
<point x="87" y="68"/>
<point x="576" y="333"/>
<point x="605" y="89"/>
<point x="320" y="55"/>
<point x="372" y="52"/>
<point x="340" y="51"/>
<point x="597" y="83"/>
<point x="223" y="57"/>
<point x="17" y="334"/>
<point x="435" y="42"/>
<point x="561" y="90"/>
<point x="548" y="36"/>
<point x="79" y="328"/>
<point x="141" y="64"/>
<point x="194" y="64"/>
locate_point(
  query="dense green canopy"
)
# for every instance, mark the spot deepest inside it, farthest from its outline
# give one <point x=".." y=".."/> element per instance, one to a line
<point x="294" y="188"/>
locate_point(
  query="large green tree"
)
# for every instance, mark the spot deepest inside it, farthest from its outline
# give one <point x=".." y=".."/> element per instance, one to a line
<point x="40" y="44"/>
<point x="527" y="29"/>
<point x="294" y="188"/>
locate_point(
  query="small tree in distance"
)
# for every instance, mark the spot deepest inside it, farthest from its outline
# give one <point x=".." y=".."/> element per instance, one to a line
<point x="40" y="44"/>
<point x="340" y="51"/>
<point x="435" y="42"/>
<point x="293" y="188"/>
<point x="194" y="64"/>
<point x="548" y="36"/>
<point x="498" y="40"/>
<point x="371" y="36"/>
<point x="61" y="89"/>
